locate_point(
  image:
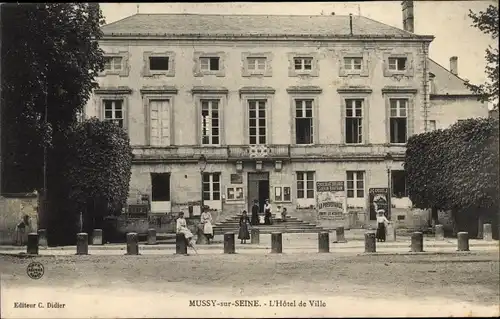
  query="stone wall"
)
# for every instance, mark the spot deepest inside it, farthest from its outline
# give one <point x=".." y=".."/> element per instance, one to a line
<point x="12" y="209"/>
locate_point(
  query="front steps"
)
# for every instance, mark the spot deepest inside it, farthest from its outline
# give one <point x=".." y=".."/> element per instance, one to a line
<point x="291" y="225"/>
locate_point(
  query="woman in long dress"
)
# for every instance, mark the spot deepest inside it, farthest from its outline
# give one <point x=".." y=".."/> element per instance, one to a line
<point x="206" y="221"/>
<point x="268" y="213"/>
<point x="181" y="228"/>
<point x="255" y="213"/>
<point x="243" y="233"/>
<point x="382" y="221"/>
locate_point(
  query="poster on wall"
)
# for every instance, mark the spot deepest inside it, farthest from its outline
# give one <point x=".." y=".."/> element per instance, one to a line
<point x="331" y="200"/>
<point x="378" y="200"/>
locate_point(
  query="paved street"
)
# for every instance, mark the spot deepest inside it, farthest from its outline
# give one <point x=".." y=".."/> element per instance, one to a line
<point x="162" y="285"/>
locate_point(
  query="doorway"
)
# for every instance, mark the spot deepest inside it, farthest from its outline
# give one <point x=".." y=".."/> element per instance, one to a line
<point x="258" y="189"/>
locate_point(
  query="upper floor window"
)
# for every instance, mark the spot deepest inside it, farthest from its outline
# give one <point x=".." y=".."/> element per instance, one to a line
<point x="352" y="64"/>
<point x="113" y="111"/>
<point x="398" y="120"/>
<point x="256" y="64"/>
<point x="354" y="121"/>
<point x="210" y="122"/>
<point x="159" y="63"/>
<point x="257" y="128"/>
<point x="304" y="122"/>
<point x="432" y="125"/>
<point x="211" y="186"/>
<point x="398" y="64"/>
<point x="355" y="184"/>
<point x="113" y="63"/>
<point x="303" y="63"/>
<point x="210" y="63"/>
<point x="159" y="120"/>
<point x="305" y="185"/>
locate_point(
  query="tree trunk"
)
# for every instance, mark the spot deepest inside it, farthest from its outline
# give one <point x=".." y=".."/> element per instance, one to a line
<point x="454" y="220"/>
<point x="435" y="216"/>
<point x="480" y="223"/>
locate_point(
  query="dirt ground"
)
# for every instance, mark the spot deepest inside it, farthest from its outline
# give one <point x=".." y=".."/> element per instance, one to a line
<point x="399" y="284"/>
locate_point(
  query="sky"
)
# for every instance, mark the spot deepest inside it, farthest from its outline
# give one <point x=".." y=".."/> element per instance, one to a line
<point x="448" y="21"/>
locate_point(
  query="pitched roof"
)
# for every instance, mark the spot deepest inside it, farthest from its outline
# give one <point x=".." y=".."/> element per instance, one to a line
<point x="252" y="25"/>
<point x="445" y="82"/>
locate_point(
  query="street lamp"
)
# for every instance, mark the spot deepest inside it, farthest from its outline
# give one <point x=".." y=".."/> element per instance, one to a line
<point x="388" y="164"/>
<point x="202" y="162"/>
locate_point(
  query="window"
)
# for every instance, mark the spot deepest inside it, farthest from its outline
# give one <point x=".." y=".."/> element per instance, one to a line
<point x="282" y="194"/>
<point x="303" y="64"/>
<point x="397" y="64"/>
<point x="235" y="193"/>
<point x="211" y="186"/>
<point x="256" y="64"/>
<point x="112" y="63"/>
<point x="432" y="125"/>
<point x="353" y="63"/>
<point x="210" y="64"/>
<point x="159" y="63"/>
<point x="305" y="184"/>
<point x="398" y="120"/>
<point x="113" y="111"/>
<point x="398" y="184"/>
<point x="354" y="121"/>
<point x="210" y="124"/>
<point x="304" y="121"/>
<point x="159" y="117"/>
<point x="257" y="122"/>
<point x="160" y="187"/>
<point x="355" y="184"/>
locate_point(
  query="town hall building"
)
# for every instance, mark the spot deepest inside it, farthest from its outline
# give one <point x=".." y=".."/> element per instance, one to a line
<point x="229" y="109"/>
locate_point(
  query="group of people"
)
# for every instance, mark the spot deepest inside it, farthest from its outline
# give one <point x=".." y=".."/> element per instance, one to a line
<point x="245" y="223"/>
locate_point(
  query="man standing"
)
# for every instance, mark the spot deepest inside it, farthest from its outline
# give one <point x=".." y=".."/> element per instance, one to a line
<point x="255" y="213"/>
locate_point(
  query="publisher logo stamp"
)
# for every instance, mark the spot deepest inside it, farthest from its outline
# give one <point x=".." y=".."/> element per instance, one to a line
<point x="35" y="270"/>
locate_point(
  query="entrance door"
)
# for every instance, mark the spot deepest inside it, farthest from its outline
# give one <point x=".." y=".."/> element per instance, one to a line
<point x="258" y="189"/>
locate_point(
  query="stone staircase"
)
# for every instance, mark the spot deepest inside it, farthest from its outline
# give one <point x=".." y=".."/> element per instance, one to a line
<point x="291" y="225"/>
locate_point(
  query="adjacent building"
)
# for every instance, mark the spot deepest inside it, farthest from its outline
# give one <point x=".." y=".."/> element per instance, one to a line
<point x="275" y="104"/>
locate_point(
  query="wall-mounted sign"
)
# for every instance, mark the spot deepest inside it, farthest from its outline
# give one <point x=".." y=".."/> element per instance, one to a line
<point x="236" y="178"/>
<point x="331" y="200"/>
<point x="378" y="200"/>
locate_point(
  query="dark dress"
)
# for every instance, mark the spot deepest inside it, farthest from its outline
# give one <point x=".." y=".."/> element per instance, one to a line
<point x="243" y="234"/>
<point x="381" y="231"/>
<point x="255" y="215"/>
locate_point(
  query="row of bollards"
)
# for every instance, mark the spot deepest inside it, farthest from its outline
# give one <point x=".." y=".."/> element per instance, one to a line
<point x="417" y="243"/>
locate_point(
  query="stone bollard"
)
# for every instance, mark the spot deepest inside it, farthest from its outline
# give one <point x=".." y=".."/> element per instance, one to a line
<point x="463" y="241"/>
<point x="370" y="243"/>
<point x="151" y="236"/>
<point x="323" y="242"/>
<point x="417" y="242"/>
<point x="390" y="231"/>
<point x="32" y="247"/>
<point x="97" y="237"/>
<point x="180" y="244"/>
<point x="132" y="244"/>
<point x="439" y="232"/>
<point x="42" y="238"/>
<point x="229" y="246"/>
<point x="82" y="244"/>
<point x="487" y="234"/>
<point x="255" y="236"/>
<point x="340" y="234"/>
<point x="276" y="243"/>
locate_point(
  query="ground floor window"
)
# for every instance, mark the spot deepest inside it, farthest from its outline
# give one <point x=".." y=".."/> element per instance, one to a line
<point x="211" y="186"/>
<point x="160" y="187"/>
<point x="398" y="184"/>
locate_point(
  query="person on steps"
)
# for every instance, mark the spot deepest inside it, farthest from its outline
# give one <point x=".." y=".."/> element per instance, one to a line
<point x="268" y="213"/>
<point x="243" y="233"/>
<point x="255" y="213"/>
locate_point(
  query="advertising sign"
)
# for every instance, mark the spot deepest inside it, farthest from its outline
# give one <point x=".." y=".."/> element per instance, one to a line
<point x="378" y="200"/>
<point x="331" y="200"/>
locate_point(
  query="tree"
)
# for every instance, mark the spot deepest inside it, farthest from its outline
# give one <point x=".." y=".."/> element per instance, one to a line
<point x="487" y="22"/>
<point x="456" y="169"/>
<point x="50" y="58"/>
<point x="97" y="171"/>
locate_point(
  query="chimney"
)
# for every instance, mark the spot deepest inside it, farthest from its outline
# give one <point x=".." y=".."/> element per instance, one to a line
<point x="408" y="16"/>
<point x="350" y="23"/>
<point x="454" y="65"/>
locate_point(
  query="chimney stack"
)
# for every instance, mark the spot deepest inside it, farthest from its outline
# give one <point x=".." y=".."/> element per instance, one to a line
<point x="408" y="16"/>
<point x="454" y="65"/>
